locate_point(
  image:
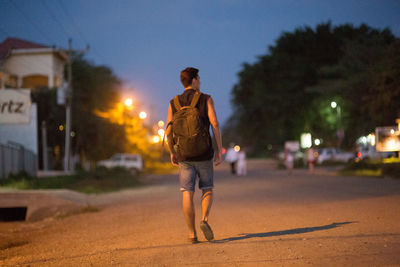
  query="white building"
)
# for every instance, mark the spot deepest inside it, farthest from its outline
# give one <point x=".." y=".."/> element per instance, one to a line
<point x="24" y="64"/>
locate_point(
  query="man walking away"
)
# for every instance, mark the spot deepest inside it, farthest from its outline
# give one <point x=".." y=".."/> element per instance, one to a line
<point x="189" y="118"/>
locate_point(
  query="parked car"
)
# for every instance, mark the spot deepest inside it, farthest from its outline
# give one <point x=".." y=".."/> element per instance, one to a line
<point x="335" y="154"/>
<point x="369" y="152"/>
<point x="132" y="162"/>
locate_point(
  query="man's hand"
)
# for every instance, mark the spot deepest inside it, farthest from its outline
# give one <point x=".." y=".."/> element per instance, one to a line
<point x="174" y="160"/>
<point x="217" y="158"/>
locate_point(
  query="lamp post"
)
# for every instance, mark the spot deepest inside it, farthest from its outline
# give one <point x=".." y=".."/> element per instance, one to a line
<point x="340" y="131"/>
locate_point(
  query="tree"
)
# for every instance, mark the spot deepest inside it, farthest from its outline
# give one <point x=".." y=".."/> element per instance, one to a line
<point x="94" y="88"/>
<point x="288" y="90"/>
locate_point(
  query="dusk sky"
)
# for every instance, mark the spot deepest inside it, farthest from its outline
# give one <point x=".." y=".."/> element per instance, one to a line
<point x="148" y="43"/>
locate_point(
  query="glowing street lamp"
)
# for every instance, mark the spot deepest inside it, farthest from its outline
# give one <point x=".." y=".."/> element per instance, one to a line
<point x="128" y="102"/>
<point x="160" y="124"/>
<point x="143" y="115"/>
<point x="156" y="139"/>
<point x="340" y="131"/>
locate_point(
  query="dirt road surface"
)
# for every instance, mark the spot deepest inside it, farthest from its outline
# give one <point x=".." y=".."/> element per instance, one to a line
<point x="267" y="218"/>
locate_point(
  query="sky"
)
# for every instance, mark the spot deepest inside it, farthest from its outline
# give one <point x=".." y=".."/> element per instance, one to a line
<point x="147" y="43"/>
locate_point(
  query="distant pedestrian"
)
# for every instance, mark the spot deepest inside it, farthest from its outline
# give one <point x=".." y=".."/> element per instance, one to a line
<point x="242" y="163"/>
<point x="190" y="116"/>
<point x="232" y="157"/>
<point x="289" y="160"/>
<point x="311" y="159"/>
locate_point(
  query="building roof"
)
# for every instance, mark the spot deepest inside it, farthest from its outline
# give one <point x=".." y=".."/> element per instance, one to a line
<point x="14" y="43"/>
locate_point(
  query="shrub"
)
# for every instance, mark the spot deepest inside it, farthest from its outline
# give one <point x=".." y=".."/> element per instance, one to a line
<point x="391" y="170"/>
<point x="362" y="165"/>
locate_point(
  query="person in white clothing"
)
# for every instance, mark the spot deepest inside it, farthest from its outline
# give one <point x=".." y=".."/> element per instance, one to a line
<point x="232" y="157"/>
<point x="241" y="163"/>
<point x="289" y="160"/>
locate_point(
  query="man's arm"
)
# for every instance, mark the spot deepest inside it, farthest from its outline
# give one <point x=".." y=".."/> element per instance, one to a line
<point x="212" y="116"/>
<point x="168" y="133"/>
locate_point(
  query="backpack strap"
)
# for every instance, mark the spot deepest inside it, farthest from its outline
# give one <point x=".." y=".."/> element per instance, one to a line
<point x="177" y="104"/>
<point x="163" y="140"/>
<point x="195" y="99"/>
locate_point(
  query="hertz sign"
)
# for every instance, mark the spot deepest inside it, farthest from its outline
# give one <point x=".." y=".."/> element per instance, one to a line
<point x="15" y="106"/>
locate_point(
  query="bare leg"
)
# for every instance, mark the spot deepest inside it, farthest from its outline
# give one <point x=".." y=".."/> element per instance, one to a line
<point x="311" y="167"/>
<point x="188" y="211"/>
<point x="206" y="202"/>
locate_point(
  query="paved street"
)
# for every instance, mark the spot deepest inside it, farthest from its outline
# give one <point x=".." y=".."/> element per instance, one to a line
<point x="266" y="218"/>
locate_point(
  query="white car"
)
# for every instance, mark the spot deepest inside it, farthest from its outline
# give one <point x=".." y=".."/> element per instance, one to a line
<point x="132" y="162"/>
<point x="335" y="154"/>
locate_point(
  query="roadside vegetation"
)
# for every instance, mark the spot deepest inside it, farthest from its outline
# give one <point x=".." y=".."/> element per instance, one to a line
<point x="100" y="180"/>
<point x="378" y="168"/>
<point x="372" y="168"/>
<point x="289" y="89"/>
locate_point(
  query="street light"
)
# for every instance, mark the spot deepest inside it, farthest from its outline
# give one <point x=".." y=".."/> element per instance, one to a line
<point x="129" y="103"/>
<point x="340" y="131"/>
<point x="143" y="115"/>
<point x="161" y="132"/>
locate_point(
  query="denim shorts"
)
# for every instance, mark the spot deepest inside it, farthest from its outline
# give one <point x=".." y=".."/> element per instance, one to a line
<point x="189" y="170"/>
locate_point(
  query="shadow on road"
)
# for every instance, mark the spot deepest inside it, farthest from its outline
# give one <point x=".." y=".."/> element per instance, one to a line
<point x="285" y="232"/>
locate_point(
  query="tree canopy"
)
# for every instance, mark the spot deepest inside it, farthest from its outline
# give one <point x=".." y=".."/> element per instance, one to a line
<point x="289" y="90"/>
<point x="95" y="88"/>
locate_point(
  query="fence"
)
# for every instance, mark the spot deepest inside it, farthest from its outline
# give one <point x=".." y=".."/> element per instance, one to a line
<point x="14" y="158"/>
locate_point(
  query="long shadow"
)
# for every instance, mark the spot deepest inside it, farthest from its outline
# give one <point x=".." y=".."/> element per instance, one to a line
<point x="285" y="232"/>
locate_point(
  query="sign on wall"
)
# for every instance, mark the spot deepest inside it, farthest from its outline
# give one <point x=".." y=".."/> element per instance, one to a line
<point x="15" y="106"/>
<point x="387" y="139"/>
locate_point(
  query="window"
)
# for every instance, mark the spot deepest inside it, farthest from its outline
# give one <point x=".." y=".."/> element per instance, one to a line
<point x="116" y="158"/>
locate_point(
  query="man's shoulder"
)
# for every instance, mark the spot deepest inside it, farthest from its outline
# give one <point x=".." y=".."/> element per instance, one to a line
<point x="206" y="96"/>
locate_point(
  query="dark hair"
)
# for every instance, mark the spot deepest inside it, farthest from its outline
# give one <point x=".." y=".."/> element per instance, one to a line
<point x="187" y="75"/>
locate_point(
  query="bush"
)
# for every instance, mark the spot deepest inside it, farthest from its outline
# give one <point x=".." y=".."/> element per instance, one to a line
<point x="391" y="170"/>
<point x="99" y="180"/>
<point x="362" y="165"/>
<point x="22" y="175"/>
<point x="331" y="162"/>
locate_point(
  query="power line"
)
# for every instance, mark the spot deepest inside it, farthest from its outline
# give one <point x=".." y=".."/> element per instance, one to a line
<point x="54" y="17"/>
<point x="31" y="21"/>
<point x="81" y="35"/>
<point x="67" y="14"/>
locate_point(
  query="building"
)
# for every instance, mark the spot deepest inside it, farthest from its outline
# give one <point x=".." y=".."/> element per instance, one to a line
<point x="25" y="64"/>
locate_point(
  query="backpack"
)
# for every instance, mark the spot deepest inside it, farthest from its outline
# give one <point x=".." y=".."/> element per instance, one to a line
<point x="190" y="134"/>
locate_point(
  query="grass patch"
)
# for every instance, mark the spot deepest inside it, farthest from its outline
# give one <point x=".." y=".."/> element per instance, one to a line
<point x="376" y="168"/>
<point x="365" y="172"/>
<point x="101" y="180"/>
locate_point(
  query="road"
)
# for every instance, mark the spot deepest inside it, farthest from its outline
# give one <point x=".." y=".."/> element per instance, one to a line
<point x="268" y="218"/>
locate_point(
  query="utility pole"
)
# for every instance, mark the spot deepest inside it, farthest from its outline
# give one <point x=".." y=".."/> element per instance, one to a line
<point x="68" y="102"/>
<point x="44" y="147"/>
